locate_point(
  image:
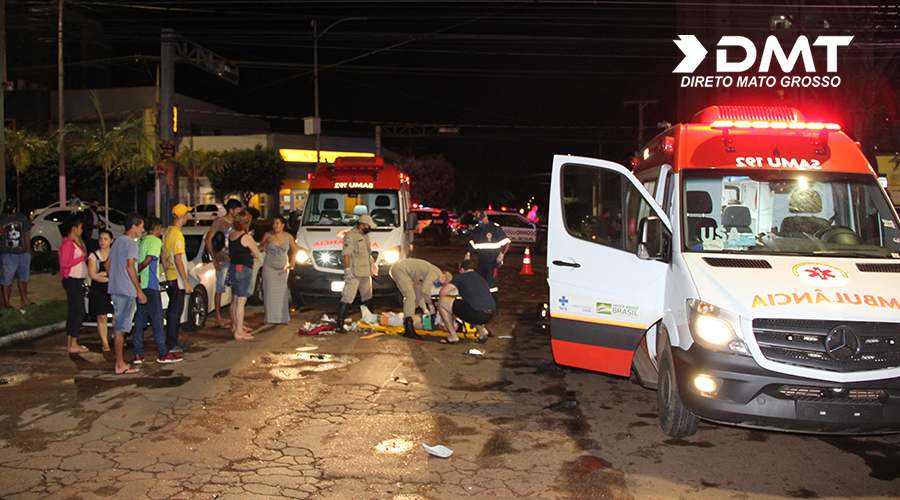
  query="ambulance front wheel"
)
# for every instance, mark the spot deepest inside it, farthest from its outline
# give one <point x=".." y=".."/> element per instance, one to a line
<point x="674" y="419"/>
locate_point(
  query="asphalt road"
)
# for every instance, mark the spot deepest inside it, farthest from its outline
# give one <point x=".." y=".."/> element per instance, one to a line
<point x="340" y="416"/>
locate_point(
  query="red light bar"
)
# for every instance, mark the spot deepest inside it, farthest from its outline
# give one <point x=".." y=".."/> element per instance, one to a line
<point x="746" y="124"/>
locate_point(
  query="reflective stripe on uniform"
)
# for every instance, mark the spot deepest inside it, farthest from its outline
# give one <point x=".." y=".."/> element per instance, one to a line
<point x="490" y="245"/>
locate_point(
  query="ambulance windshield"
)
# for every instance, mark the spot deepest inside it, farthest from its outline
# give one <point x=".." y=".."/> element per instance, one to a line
<point x="779" y="212"/>
<point x="332" y="207"/>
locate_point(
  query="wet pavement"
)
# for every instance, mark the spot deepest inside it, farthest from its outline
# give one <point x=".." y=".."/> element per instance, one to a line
<point x="338" y="416"/>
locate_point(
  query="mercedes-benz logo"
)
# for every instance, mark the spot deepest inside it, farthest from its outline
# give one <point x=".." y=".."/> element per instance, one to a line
<point x="842" y="343"/>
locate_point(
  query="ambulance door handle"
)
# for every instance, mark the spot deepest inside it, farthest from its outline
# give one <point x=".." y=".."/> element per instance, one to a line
<point x="566" y="264"/>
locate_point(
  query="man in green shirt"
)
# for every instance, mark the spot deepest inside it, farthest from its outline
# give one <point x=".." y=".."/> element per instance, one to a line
<point x="151" y="273"/>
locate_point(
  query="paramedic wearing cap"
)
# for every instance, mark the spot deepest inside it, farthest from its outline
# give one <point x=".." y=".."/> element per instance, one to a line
<point x="490" y="244"/>
<point x="358" y="268"/>
<point x="414" y="279"/>
<point x="176" y="275"/>
<point x="15" y="252"/>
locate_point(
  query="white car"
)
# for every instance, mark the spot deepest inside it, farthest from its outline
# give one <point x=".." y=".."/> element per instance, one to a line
<point x="521" y="231"/>
<point x="205" y="213"/>
<point x="45" y="235"/>
<point x="38" y="211"/>
<point x="202" y="276"/>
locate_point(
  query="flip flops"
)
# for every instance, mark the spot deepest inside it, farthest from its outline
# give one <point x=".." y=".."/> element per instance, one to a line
<point x="129" y="370"/>
<point x="447" y="341"/>
<point x="244" y="338"/>
<point x="80" y="350"/>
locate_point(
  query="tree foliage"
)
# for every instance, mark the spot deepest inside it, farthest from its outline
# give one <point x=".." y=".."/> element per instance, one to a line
<point x="247" y="172"/>
<point x="432" y="180"/>
<point x="22" y="149"/>
<point x="195" y="164"/>
<point x="125" y="147"/>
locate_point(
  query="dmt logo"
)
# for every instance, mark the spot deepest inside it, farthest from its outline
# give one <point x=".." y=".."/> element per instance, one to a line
<point x="694" y="53"/>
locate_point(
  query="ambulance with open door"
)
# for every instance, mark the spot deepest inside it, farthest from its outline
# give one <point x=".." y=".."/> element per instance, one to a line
<point x="338" y="195"/>
<point x="748" y="268"/>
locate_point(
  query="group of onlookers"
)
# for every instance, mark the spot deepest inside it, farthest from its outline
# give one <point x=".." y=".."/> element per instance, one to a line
<point x="126" y="276"/>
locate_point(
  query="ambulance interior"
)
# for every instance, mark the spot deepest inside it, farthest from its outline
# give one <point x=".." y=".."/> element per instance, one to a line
<point x="344" y="208"/>
<point x="794" y="212"/>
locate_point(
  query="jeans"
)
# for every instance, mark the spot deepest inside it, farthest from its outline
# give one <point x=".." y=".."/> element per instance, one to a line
<point x="75" y="301"/>
<point x="173" y="313"/>
<point x="152" y="310"/>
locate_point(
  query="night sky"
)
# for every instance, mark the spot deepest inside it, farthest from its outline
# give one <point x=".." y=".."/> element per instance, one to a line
<point x="521" y="80"/>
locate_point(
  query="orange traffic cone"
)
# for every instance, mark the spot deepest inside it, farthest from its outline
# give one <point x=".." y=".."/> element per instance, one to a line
<point x="526" y="262"/>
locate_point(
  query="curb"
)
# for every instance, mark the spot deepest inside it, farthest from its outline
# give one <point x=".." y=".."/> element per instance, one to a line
<point x="32" y="334"/>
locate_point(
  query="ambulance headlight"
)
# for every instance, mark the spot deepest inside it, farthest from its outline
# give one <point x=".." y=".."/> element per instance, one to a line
<point x="715" y="329"/>
<point x="392" y="255"/>
<point x="303" y="257"/>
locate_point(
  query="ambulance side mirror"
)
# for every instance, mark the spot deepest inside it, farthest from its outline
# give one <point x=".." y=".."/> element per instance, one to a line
<point x="412" y="221"/>
<point x="655" y="240"/>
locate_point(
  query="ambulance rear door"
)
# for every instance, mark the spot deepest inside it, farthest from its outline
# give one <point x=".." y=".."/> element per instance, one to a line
<point x="602" y="296"/>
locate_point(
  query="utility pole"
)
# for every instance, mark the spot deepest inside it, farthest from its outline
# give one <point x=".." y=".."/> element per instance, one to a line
<point x="166" y="124"/>
<point x="61" y="111"/>
<point x="3" y="98"/>
<point x="641" y="105"/>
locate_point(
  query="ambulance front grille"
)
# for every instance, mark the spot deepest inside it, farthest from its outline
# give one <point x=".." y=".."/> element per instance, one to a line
<point x="878" y="268"/>
<point x="803" y="343"/>
<point x="331" y="259"/>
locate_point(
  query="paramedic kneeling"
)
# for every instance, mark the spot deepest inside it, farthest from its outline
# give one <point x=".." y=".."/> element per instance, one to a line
<point x="475" y="304"/>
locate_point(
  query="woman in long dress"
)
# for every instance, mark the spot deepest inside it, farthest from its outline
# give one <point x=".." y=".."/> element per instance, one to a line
<point x="280" y="247"/>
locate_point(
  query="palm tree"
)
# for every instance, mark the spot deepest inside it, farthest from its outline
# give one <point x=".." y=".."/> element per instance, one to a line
<point x="127" y="145"/>
<point x="196" y="164"/>
<point x="22" y="149"/>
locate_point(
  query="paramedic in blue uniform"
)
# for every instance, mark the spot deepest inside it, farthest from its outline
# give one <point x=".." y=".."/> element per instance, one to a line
<point x="358" y="268"/>
<point x="490" y="244"/>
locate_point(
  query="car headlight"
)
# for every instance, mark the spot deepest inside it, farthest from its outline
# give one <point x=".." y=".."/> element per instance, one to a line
<point x="391" y="255"/>
<point x="716" y="329"/>
<point x="303" y="257"/>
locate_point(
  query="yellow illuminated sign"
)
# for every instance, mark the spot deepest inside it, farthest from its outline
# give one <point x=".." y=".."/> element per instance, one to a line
<point x="175" y="119"/>
<point x="309" y="155"/>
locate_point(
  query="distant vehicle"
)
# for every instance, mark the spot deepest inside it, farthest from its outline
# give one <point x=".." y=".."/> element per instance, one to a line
<point x="202" y="276"/>
<point x="521" y="231"/>
<point x="38" y="211"/>
<point x="45" y="235"/>
<point x="431" y="227"/>
<point x="205" y="213"/>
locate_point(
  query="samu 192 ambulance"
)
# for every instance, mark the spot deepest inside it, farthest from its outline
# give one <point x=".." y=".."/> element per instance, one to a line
<point x="338" y="195"/>
<point x="748" y="269"/>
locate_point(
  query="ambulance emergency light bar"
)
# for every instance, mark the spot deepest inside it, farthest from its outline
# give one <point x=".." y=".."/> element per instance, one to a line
<point x="759" y="117"/>
<point x="746" y="124"/>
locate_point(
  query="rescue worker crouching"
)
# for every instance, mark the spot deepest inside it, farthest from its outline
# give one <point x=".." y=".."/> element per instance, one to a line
<point x="490" y="243"/>
<point x="414" y="279"/>
<point x="359" y="267"/>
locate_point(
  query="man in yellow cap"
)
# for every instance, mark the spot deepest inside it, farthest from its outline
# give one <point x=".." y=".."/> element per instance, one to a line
<point x="176" y="276"/>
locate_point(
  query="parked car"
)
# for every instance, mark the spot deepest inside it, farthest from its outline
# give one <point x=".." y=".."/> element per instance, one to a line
<point x="206" y="213"/>
<point x="45" y="235"/>
<point x="432" y="227"/>
<point x="521" y="231"/>
<point x="202" y="276"/>
<point x="38" y="211"/>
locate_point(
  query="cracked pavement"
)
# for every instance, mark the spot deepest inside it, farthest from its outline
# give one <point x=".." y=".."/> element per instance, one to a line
<point x="337" y="416"/>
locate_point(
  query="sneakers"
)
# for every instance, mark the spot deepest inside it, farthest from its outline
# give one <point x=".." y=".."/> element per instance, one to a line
<point x="170" y="357"/>
<point x="138" y="360"/>
<point x="178" y="348"/>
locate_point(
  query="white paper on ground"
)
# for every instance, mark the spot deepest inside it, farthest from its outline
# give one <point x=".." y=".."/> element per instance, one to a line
<point x="438" y="451"/>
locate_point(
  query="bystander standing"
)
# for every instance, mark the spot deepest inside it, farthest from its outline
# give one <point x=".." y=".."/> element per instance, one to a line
<point x="124" y="286"/>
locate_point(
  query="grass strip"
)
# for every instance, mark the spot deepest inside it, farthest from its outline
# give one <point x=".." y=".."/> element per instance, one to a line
<point x="13" y="320"/>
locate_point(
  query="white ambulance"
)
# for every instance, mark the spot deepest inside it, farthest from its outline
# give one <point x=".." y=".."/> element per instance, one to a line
<point x="338" y="195"/>
<point x="748" y="269"/>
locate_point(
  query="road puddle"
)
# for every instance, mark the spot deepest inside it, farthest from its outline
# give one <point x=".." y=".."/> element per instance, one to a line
<point x="303" y="362"/>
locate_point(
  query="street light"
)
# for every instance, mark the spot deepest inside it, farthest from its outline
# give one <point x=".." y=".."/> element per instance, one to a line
<point x="316" y="35"/>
